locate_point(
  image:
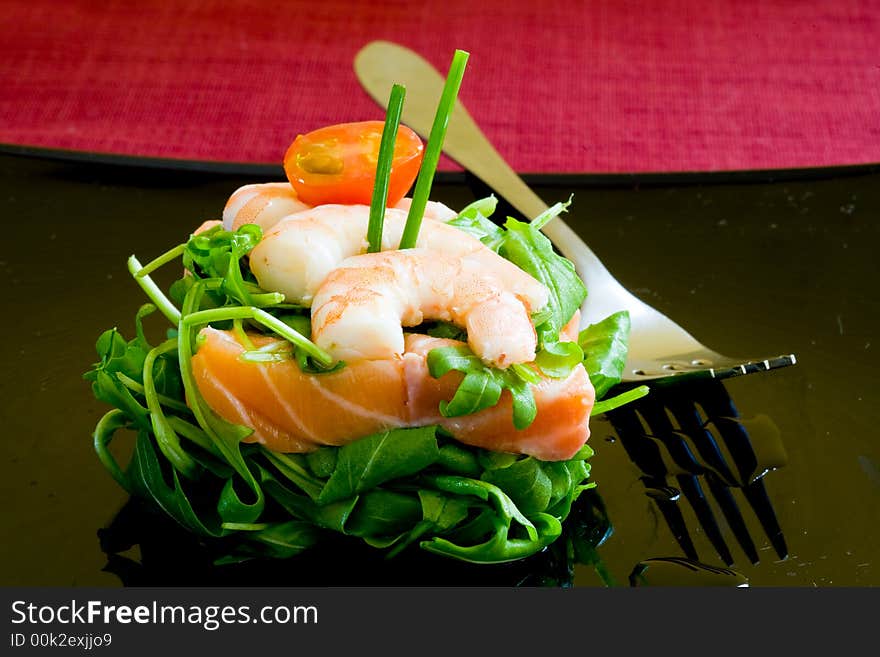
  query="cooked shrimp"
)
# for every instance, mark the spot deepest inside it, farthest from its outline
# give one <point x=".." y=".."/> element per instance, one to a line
<point x="264" y="204"/>
<point x="206" y="225"/>
<point x="297" y="255"/>
<point x="433" y="210"/>
<point x="361" y="307"/>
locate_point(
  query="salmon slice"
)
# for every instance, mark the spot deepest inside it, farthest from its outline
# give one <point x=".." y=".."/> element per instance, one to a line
<point x="559" y="430"/>
<point x="292" y="411"/>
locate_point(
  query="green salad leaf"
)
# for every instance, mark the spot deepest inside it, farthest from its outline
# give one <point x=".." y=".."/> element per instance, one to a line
<point x="526" y="246"/>
<point x="474" y="220"/>
<point x="558" y="359"/>
<point x="530" y="249"/>
<point x="604" y="345"/>
<point x="366" y="463"/>
<point x="482" y="385"/>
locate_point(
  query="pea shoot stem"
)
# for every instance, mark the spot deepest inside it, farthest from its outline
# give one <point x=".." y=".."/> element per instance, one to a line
<point x="166" y="437"/>
<point x="163" y="259"/>
<point x="550" y="213"/>
<point x="152" y="290"/>
<point x="616" y="402"/>
<point x="264" y="318"/>
<point x="131" y="384"/>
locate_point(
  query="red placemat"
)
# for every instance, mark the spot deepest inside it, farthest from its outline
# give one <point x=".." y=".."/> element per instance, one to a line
<point x="590" y="87"/>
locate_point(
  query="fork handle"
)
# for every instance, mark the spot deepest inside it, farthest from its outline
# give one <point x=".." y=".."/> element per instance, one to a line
<point x="381" y="63"/>
<point x="468" y="145"/>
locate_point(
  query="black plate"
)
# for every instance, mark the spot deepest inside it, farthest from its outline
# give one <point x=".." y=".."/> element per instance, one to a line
<point x="772" y="478"/>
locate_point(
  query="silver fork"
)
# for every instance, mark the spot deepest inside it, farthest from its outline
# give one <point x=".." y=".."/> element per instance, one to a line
<point x="658" y="348"/>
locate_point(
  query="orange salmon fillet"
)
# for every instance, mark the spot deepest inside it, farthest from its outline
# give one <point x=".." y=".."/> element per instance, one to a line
<point x="292" y="411"/>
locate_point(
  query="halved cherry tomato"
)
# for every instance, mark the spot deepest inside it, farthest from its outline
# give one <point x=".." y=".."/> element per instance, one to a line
<point x="337" y="164"/>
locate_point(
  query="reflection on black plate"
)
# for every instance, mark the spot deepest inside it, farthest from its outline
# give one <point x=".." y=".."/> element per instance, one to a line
<point x="689" y="439"/>
<point x="681" y="438"/>
<point x="168" y="555"/>
<point x="779" y="489"/>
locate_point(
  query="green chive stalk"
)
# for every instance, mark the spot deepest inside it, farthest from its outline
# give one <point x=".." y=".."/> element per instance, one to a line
<point x="383" y="168"/>
<point x="433" y="149"/>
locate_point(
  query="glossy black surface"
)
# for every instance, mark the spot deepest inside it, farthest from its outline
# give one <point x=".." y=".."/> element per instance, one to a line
<point x="771" y="478"/>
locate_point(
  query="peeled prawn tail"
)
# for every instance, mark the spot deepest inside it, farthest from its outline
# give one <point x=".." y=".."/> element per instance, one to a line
<point x="297" y="255"/>
<point x="263" y="204"/>
<point x="360" y="310"/>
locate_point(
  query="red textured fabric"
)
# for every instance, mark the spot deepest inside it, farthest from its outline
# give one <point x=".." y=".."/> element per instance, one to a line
<point x="595" y="87"/>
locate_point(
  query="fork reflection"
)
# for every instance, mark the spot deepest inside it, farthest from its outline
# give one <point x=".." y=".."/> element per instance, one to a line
<point x="688" y="439"/>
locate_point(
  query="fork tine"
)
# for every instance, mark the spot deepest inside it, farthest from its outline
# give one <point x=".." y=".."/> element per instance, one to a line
<point x="719" y="476"/>
<point x="645" y="445"/>
<point x="724" y="416"/>
<point x="730" y="509"/>
<point x="645" y="454"/>
<point x="692" y="490"/>
<point x="757" y="496"/>
<point x="671" y="512"/>
<point x="662" y="429"/>
<point x="665" y="435"/>
<point x="682" y="402"/>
